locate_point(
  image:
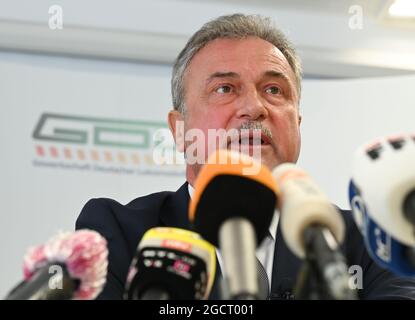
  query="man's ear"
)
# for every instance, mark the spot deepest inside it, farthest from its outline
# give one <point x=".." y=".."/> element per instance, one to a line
<point x="176" y="125"/>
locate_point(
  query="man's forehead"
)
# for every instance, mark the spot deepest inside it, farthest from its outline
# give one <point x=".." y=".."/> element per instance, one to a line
<point x="232" y="55"/>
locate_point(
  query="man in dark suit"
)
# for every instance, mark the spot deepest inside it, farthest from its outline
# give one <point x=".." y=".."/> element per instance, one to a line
<point x="236" y="73"/>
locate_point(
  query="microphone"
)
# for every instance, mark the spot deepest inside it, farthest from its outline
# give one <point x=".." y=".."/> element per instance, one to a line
<point x="232" y="207"/>
<point x="171" y="264"/>
<point x="70" y="265"/>
<point x="382" y="198"/>
<point x="313" y="228"/>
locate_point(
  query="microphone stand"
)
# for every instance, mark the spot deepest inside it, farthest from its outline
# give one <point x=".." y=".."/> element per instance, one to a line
<point x="324" y="272"/>
<point x="39" y="286"/>
<point x="309" y="285"/>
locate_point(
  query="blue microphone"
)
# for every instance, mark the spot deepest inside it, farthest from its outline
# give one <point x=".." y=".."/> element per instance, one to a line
<point x="385" y="250"/>
<point x="382" y="198"/>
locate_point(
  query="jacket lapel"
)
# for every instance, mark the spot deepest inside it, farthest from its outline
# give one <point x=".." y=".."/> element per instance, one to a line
<point x="285" y="269"/>
<point x="174" y="212"/>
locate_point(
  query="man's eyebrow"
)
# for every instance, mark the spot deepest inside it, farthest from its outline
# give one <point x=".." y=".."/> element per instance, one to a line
<point x="221" y="75"/>
<point x="277" y="74"/>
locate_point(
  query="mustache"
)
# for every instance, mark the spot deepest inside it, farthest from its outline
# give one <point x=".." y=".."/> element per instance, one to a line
<point x="256" y="125"/>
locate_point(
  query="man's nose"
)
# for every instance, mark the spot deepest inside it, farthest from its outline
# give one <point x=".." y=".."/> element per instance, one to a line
<point x="251" y="106"/>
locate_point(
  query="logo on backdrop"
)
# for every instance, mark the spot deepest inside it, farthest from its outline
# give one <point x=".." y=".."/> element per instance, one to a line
<point x="104" y="145"/>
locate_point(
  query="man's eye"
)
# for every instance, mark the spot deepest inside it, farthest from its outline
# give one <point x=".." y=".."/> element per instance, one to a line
<point x="224" y="89"/>
<point x="273" y="90"/>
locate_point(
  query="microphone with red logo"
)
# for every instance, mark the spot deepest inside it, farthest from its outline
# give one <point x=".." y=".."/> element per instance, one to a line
<point x="70" y="265"/>
<point x="171" y="264"/>
<point x="232" y="207"/>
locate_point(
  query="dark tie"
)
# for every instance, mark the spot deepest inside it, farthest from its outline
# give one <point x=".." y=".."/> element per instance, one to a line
<point x="263" y="282"/>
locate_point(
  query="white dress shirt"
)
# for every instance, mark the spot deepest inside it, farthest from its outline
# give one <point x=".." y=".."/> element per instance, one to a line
<point x="265" y="252"/>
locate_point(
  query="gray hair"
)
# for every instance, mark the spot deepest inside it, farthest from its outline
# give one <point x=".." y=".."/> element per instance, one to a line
<point x="236" y="26"/>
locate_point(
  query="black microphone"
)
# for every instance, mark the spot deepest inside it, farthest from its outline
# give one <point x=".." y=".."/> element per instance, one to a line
<point x="171" y="264"/>
<point x="313" y="229"/>
<point x="232" y="207"/>
<point x="69" y="266"/>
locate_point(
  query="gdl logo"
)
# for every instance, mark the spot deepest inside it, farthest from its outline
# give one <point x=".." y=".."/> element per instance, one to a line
<point x="102" y="142"/>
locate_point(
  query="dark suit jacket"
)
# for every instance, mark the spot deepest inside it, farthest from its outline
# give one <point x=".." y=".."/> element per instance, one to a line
<point x="124" y="225"/>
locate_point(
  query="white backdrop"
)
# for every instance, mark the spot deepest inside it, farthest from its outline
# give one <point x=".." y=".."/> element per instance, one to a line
<point x="38" y="200"/>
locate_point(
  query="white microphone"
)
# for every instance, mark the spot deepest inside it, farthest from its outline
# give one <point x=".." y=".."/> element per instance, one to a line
<point x="382" y="197"/>
<point x="313" y="228"/>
